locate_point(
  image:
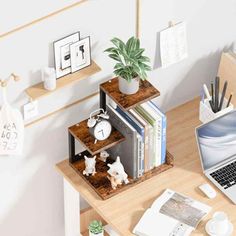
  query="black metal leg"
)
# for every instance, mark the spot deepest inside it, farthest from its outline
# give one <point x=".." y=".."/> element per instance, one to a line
<point x="71" y="147"/>
<point x="102" y="99"/>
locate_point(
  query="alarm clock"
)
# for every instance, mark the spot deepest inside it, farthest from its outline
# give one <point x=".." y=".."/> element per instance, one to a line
<point x="99" y="126"/>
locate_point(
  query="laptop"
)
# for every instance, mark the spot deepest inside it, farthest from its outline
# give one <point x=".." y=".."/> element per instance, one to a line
<point x="217" y="147"/>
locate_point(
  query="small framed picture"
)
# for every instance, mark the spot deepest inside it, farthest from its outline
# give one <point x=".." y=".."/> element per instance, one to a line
<point x="80" y="54"/>
<point x="62" y="54"/>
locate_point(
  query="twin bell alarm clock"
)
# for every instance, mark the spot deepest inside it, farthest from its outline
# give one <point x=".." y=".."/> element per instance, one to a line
<point x="99" y="125"/>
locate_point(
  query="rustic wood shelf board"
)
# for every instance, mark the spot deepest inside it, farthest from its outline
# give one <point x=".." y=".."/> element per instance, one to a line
<point x="100" y="183"/>
<point x="37" y="91"/>
<point x="145" y="93"/>
<point x="80" y="132"/>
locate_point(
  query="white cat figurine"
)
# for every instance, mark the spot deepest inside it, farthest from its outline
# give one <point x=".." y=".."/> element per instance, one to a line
<point x="103" y="156"/>
<point x="90" y="166"/>
<point x="117" y="173"/>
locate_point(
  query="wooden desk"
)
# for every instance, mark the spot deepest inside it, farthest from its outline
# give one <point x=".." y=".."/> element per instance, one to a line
<point x="123" y="211"/>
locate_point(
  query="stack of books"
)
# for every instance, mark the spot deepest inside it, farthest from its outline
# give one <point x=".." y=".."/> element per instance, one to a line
<point x="144" y="128"/>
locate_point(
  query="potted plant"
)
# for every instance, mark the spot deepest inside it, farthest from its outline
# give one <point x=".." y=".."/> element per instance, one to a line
<point x="96" y="228"/>
<point x="131" y="65"/>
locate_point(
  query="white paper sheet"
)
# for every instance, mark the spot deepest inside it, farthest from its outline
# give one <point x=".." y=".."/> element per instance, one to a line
<point x="173" y="44"/>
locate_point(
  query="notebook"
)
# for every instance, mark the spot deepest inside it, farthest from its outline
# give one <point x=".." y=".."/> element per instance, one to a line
<point x="171" y="214"/>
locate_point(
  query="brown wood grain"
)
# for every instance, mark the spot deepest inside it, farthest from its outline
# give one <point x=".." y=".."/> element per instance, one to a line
<point x="146" y="92"/>
<point x="100" y="183"/>
<point x="227" y="72"/>
<point x="81" y="132"/>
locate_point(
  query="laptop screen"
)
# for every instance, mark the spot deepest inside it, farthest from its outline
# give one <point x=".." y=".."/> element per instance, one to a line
<point x="217" y="140"/>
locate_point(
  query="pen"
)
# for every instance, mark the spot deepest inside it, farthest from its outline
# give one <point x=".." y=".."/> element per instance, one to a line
<point x="223" y="95"/>
<point x="217" y="85"/>
<point x="230" y="97"/>
<point x="208" y="95"/>
<point x="212" y="94"/>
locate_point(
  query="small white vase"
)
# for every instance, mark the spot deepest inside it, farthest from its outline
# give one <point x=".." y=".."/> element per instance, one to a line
<point x="129" y="88"/>
<point x="100" y="234"/>
<point x="49" y="78"/>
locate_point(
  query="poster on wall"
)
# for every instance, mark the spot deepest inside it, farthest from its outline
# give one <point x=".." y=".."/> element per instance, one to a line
<point x="173" y="44"/>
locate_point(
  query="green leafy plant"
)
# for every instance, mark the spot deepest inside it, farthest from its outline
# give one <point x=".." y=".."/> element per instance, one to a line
<point x="130" y="60"/>
<point x="96" y="227"/>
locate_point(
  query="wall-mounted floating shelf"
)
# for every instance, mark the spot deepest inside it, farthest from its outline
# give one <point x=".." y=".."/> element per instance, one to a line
<point x="37" y="91"/>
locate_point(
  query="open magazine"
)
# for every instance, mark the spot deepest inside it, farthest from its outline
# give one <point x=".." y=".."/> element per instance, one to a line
<point x="172" y="214"/>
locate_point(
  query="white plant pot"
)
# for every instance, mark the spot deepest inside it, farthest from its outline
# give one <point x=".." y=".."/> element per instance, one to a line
<point x="92" y="234"/>
<point x="129" y="88"/>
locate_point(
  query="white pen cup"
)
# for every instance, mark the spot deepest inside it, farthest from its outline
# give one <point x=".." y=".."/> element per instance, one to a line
<point x="219" y="223"/>
<point x="206" y="114"/>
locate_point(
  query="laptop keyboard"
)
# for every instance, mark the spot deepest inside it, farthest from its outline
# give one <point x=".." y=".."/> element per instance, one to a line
<point x="226" y="176"/>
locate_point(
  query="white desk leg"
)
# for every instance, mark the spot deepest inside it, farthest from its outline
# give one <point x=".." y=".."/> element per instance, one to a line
<point x="71" y="210"/>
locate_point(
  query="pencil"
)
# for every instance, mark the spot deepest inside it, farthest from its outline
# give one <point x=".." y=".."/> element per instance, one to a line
<point x="230" y="98"/>
<point x="223" y="95"/>
<point x="217" y="85"/>
<point x="212" y="95"/>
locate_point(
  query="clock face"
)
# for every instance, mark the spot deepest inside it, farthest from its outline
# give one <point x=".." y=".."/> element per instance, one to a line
<point x="102" y="130"/>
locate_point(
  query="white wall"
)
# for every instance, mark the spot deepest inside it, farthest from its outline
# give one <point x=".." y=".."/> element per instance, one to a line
<point x="31" y="199"/>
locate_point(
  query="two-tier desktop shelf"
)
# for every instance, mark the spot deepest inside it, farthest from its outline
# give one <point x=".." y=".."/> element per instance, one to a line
<point x="80" y="132"/>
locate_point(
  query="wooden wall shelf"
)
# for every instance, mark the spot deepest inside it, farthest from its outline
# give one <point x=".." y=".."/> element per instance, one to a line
<point x="80" y="132"/>
<point x="146" y="92"/>
<point x="100" y="183"/>
<point x="37" y="91"/>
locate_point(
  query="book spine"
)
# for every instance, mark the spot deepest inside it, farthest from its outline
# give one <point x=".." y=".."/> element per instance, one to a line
<point x="158" y="154"/>
<point x="163" y="140"/>
<point x="140" y="156"/>
<point x="151" y="152"/>
<point x="163" y="131"/>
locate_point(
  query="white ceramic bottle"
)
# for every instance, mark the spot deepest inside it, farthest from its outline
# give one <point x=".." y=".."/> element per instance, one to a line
<point x="49" y="78"/>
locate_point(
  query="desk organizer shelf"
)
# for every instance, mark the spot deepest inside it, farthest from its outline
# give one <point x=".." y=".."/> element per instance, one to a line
<point x="99" y="182"/>
<point x="37" y="91"/>
<point x="80" y="132"/>
<point x="111" y="88"/>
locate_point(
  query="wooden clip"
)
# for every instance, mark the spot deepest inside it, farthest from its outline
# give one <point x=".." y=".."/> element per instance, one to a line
<point x="13" y="76"/>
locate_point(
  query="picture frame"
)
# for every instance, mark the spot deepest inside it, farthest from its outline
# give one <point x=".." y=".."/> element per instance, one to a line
<point x="62" y="54"/>
<point x="80" y="54"/>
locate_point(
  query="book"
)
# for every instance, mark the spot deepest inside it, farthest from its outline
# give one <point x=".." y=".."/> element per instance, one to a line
<point x="146" y="126"/>
<point x="157" y="118"/>
<point x="140" y="129"/>
<point x="152" y="135"/>
<point x="171" y="214"/>
<point x="127" y="150"/>
<point x="163" y="131"/>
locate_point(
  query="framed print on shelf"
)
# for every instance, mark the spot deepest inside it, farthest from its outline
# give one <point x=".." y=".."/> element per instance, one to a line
<point x="62" y="54"/>
<point x="80" y="54"/>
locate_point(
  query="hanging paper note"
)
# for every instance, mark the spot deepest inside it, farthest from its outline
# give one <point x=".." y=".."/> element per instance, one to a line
<point x="173" y="44"/>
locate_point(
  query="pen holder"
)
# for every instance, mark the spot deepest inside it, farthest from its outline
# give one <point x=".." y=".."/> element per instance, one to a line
<point x="206" y="114"/>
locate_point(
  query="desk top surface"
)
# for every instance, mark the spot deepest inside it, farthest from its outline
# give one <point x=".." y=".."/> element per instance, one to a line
<point x="124" y="210"/>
